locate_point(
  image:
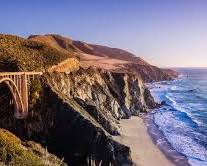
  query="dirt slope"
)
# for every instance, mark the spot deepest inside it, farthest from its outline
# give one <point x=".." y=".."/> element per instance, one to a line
<point x="107" y="58"/>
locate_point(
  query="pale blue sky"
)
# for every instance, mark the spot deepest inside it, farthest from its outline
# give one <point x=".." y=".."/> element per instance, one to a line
<point x="164" y="32"/>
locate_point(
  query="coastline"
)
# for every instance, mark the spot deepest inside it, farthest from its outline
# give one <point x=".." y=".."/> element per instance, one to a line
<point x="144" y="152"/>
<point x="162" y="143"/>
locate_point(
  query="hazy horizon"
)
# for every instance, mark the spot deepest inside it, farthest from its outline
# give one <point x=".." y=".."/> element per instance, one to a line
<point x="165" y="33"/>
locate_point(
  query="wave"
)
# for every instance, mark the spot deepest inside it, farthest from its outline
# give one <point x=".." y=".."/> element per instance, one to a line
<point x="185" y="109"/>
<point x="183" y="119"/>
<point x="178" y="128"/>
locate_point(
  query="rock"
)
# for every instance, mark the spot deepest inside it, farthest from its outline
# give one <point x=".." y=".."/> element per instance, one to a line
<point x="163" y="103"/>
<point x="71" y="132"/>
<point x="151" y="104"/>
<point x="83" y="109"/>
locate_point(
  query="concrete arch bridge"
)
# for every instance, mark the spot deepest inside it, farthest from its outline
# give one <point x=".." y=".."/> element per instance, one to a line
<point x="17" y="83"/>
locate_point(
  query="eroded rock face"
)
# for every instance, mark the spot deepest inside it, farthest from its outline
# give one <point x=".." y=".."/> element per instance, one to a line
<point x="106" y="96"/>
<point x="76" y="135"/>
<point x="82" y="109"/>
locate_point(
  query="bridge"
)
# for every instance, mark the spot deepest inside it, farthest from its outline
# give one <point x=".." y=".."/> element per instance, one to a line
<point x="18" y="83"/>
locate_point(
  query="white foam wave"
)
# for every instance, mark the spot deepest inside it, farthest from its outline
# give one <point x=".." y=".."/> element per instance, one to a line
<point x="195" y="162"/>
<point x="180" y="108"/>
<point x="176" y="133"/>
<point x="187" y="146"/>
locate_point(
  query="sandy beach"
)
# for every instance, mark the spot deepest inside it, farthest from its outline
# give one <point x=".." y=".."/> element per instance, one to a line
<point x="144" y="152"/>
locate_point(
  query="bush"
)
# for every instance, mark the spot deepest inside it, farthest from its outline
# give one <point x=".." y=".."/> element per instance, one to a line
<point x="34" y="94"/>
<point x="14" y="152"/>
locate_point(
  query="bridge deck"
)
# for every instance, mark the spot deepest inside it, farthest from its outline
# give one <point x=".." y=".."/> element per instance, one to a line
<point x="20" y="73"/>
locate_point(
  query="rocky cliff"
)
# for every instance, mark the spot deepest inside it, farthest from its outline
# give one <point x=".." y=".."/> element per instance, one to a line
<point x="74" y="115"/>
<point x="82" y="109"/>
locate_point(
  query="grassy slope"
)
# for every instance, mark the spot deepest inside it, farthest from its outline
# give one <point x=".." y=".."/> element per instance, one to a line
<point x="15" y="152"/>
<point x="19" y="54"/>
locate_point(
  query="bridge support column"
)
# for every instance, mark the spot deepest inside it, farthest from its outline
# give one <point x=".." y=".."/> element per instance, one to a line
<point x="24" y="93"/>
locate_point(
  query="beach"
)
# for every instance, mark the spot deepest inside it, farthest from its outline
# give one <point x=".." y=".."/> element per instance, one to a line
<point x="144" y="152"/>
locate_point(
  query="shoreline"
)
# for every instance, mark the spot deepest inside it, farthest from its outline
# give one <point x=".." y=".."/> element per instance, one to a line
<point x="162" y="143"/>
<point x="134" y="133"/>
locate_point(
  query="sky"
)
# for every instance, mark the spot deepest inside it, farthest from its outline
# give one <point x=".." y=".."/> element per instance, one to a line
<point x="166" y="33"/>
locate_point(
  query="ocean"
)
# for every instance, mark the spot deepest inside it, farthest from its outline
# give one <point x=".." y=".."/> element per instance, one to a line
<point x="179" y="127"/>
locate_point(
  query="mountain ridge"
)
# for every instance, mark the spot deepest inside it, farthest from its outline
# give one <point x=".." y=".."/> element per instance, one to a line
<point x="104" y="57"/>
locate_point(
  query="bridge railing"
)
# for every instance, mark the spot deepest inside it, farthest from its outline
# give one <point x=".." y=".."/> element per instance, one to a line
<point x="20" y="73"/>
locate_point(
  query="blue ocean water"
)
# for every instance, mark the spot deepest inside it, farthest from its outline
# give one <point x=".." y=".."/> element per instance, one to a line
<point x="183" y="119"/>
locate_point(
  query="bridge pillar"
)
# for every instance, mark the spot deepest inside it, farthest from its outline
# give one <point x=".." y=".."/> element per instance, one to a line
<point x="24" y="92"/>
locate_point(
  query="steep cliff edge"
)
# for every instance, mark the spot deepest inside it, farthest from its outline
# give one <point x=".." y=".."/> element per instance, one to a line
<point x="108" y="96"/>
<point x="82" y="109"/>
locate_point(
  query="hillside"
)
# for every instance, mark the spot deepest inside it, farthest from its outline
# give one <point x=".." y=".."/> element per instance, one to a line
<point x="112" y="59"/>
<point x="104" y="51"/>
<point x="19" y="54"/>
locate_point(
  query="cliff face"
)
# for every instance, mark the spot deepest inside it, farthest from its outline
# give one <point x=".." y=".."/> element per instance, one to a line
<point x="110" y="96"/>
<point x="82" y="109"/>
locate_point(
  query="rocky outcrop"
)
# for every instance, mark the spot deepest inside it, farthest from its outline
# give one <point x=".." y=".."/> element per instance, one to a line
<point x="71" y="132"/>
<point x="82" y="109"/>
<point x="106" y="96"/>
<point x="68" y="65"/>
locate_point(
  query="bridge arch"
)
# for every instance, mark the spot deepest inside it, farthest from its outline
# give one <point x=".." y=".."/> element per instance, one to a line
<point x="18" y="104"/>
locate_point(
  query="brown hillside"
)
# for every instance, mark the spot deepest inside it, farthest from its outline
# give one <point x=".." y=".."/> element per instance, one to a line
<point x="105" y="57"/>
<point x="104" y="51"/>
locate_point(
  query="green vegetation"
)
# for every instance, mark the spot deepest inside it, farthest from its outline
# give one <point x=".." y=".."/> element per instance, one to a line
<point x="19" y="54"/>
<point x="34" y="95"/>
<point x="15" y="152"/>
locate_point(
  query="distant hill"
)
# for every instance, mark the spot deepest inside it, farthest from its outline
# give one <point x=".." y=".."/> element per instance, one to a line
<point x="104" y="51"/>
<point x="105" y="57"/>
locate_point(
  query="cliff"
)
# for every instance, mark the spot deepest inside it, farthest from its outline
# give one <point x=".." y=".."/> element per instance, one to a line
<point x="82" y="109"/>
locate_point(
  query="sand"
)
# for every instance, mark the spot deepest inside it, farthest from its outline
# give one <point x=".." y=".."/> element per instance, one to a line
<point x="144" y="152"/>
